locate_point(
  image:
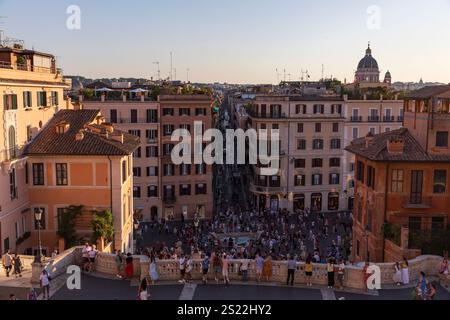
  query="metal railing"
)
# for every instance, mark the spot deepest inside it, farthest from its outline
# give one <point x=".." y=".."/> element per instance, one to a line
<point x="27" y="67"/>
<point x="388" y="119"/>
<point x="356" y="119"/>
<point x="373" y="119"/>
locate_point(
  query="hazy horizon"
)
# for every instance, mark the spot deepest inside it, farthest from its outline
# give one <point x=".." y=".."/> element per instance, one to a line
<point x="237" y="41"/>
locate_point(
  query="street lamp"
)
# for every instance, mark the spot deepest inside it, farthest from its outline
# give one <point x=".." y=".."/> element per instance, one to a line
<point x="366" y="233"/>
<point x="38" y="217"/>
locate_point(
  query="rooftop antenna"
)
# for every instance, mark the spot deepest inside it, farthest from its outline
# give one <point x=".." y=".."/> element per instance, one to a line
<point x="289" y="77"/>
<point x="171" y="65"/>
<point x="187" y="75"/>
<point x="175" y="74"/>
<point x="159" y="71"/>
<point x="322" y="72"/>
<point x="278" y="76"/>
<point x="284" y="75"/>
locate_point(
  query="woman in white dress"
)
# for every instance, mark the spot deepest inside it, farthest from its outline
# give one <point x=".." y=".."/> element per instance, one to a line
<point x="153" y="270"/>
<point x="397" y="274"/>
<point x="405" y="271"/>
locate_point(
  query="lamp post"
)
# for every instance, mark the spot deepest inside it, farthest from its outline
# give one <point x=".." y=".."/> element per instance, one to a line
<point x="38" y="217"/>
<point x="366" y="233"/>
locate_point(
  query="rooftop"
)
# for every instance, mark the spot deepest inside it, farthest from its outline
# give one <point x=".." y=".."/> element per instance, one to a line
<point x="377" y="149"/>
<point x="84" y="136"/>
<point x="429" y="92"/>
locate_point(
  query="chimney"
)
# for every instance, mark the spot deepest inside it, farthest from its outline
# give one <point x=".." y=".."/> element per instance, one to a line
<point x="79" y="136"/>
<point x="68" y="102"/>
<point x="396" y="145"/>
<point x="369" y="139"/>
<point x="108" y="126"/>
<point x="117" y="137"/>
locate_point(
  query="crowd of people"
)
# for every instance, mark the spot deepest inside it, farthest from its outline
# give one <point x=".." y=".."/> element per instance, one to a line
<point x="12" y="263"/>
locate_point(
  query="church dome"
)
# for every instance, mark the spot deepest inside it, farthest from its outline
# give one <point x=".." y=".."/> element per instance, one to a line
<point x="368" y="62"/>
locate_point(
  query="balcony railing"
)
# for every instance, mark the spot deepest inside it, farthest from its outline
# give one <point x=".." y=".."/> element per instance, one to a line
<point x="27" y="67"/>
<point x="132" y="120"/>
<point x="417" y="202"/>
<point x="400" y="119"/>
<point x="388" y="118"/>
<point x="356" y="119"/>
<point x="257" y="115"/>
<point x="373" y="119"/>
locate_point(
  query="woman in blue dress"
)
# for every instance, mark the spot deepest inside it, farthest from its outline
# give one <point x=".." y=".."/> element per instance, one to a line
<point x="153" y="269"/>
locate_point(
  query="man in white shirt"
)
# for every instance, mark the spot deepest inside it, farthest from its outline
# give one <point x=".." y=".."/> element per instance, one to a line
<point x="244" y="268"/>
<point x="182" y="263"/>
<point x="7" y="262"/>
<point x="45" y="284"/>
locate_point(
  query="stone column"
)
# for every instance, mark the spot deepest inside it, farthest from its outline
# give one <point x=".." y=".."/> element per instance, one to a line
<point x="36" y="269"/>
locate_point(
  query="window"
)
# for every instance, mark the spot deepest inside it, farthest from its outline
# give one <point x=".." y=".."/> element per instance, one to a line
<point x="335" y="162"/>
<point x="275" y="126"/>
<point x="357" y="248"/>
<point x="442" y="139"/>
<point x="200" y="168"/>
<point x="317" y="144"/>
<point x="42" y="99"/>
<point x="440" y="181"/>
<point x="169" y="192"/>
<point x="38" y="174"/>
<point x="151" y="135"/>
<point x="134" y="116"/>
<point x="152" y="116"/>
<point x="167" y="149"/>
<point x="317" y="163"/>
<point x="416" y="187"/>
<point x="300" y="180"/>
<point x="186" y="127"/>
<point x="317" y="180"/>
<point x="185" y="169"/>
<point x="137" y="153"/>
<point x="10" y="101"/>
<point x="27" y="103"/>
<point x="200" y="111"/>
<point x="168" y="112"/>
<point x="300" y="127"/>
<point x="370" y="177"/>
<point x="185" y="189"/>
<point x="316" y="202"/>
<point x="263" y="126"/>
<point x="397" y="180"/>
<point x="168" y="129"/>
<point x="12" y="184"/>
<point x="299" y="163"/>
<point x="437" y="223"/>
<point x="319" y="108"/>
<point x="55" y="100"/>
<point x="136" y="133"/>
<point x="360" y="171"/>
<point x="124" y="171"/>
<point x="275" y="182"/>
<point x="335" y="144"/>
<point x="333" y="201"/>
<point x="151" y="151"/>
<point x="168" y="170"/>
<point x="318" y="127"/>
<point x="29" y="133"/>
<point x="152" y="191"/>
<point x="355" y="133"/>
<point x="137" y="171"/>
<point x="113" y="116"/>
<point x="300" y="108"/>
<point x="152" y="171"/>
<point x="301" y="144"/>
<point x="334" y="178"/>
<point x="352" y="167"/>
<point x="336" y="127"/>
<point x="136" y="192"/>
<point x="61" y="174"/>
<point x="42" y="224"/>
<point x="184" y="112"/>
<point x="336" y="108"/>
<point x="200" y="188"/>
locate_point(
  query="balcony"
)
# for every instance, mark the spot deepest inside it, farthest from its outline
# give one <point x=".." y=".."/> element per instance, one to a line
<point x="169" y="199"/>
<point x="388" y="119"/>
<point x="373" y="119"/>
<point x="400" y="119"/>
<point x="355" y="119"/>
<point x="417" y="202"/>
<point x="27" y="67"/>
<point x="132" y="120"/>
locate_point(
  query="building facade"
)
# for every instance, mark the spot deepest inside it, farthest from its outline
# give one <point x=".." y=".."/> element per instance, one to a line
<point x="161" y="189"/>
<point x="402" y="179"/>
<point x="31" y="89"/>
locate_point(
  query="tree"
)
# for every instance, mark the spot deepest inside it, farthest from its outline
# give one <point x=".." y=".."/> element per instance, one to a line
<point x="103" y="226"/>
<point x="66" y="225"/>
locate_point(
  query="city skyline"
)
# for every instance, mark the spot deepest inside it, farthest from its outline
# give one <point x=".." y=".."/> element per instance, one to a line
<point x="237" y="43"/>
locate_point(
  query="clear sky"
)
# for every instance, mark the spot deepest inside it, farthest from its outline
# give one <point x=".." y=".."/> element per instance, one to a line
<point x="237" y="41"/>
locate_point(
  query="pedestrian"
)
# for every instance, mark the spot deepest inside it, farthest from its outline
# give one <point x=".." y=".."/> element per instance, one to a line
<point x="244" y="268"/>
<point x="225" y="263"/>
<point x="92" y="254"/>
<point x="217" y="266"/>
<point x="330" y="271"/>
<point x="291" y="266"/>
<point x="129" y="270"/>
<point x="45" y="284"/>
<point x="308" y="271"/>
<point x="423" y="283"/>
<point x="405" y="271"/>
<point x="366" y="276"/>
<point x="7" y="261"/>
<point x="397" y="274"/>
<point x="189" y="265"/>
<point x="431" y="291"/>
<point x="205" y="268"/>
<point x="182" y="266"/>
<point x="259" y="262"/>
<point x="32" y="294"/>
<point x="12" y="297"/>
<point x="142" y="291"/>
<point x="341" y="274"/>
<point x="444" y="272"/>
<point x="119" y="264"/>
<point x="153" y="271"/>
<point x="268" y="268"/>
<point x="85" y="256"/>
<point x="17" y="266"/>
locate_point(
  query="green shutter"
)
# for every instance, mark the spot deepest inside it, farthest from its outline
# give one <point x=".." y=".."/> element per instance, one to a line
<point x="14" y="102"/>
